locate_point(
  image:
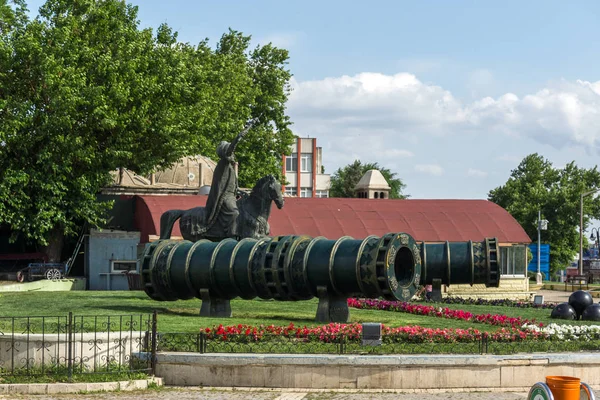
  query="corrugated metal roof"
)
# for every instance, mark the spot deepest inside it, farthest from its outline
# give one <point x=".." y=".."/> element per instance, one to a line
<point x="425" y="220"/>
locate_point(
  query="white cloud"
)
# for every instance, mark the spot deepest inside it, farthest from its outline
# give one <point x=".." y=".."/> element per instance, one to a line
<point x="376" y="101"/>
<point x="431" y="169"/>
<point x="477" y="173"/>
<point x="373" y="103"/>
<point x="386" y="118"/>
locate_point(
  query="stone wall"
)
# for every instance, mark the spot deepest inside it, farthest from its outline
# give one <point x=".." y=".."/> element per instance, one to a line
<point x="89" y="350"/>
<point x="516" y="288"/>
<point x="516" y="372"/>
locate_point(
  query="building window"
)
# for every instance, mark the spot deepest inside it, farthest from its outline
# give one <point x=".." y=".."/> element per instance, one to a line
<point x="291" y="191"/>
<point x="305" y="192"/>
<point x="322" y="194"/>
<point x="513" y="260"/>
<point x="291" y="163"/>
<point x="306" y="162"/>
<point x="122" y="266"/>
<point x="381" y="195"/>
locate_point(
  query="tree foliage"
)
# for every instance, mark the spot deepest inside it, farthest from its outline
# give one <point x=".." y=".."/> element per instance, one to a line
<point x="345" y="179"/>
<point x="84" y="91"/>
<point x="536" y="185"/>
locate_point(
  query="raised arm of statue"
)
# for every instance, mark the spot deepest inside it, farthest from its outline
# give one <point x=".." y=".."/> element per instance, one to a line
<point x="240" y="135"/>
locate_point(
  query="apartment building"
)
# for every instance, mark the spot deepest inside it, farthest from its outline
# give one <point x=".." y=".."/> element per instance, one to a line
<point x="303" y="169"/>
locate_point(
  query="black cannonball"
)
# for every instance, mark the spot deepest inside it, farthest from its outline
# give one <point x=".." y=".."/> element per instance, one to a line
<point x="563" y="311"/>
<point x="579" y="300"/>
<point x="591" y="313"/>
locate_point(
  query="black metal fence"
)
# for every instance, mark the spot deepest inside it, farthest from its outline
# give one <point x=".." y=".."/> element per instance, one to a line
<point x="319" y="344"/>
<point x="76" y="344"/>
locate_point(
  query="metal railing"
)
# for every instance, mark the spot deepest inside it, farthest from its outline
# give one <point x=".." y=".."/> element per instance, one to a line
<point x="335" y="344"/>
<point x="76" y="344"/>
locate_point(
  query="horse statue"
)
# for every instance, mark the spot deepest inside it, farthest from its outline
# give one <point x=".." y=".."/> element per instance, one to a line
<point x="252" y="221"/>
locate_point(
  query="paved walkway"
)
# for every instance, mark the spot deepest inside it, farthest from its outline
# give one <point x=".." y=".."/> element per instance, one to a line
<point x="242" y="394"/>
<point x="554" y="296"/>
<point x="558" y="296"/>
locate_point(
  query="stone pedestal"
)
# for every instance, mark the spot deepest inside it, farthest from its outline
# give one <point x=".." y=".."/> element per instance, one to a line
<point x="214" y="306"/>
<point x="331" y="308"/>
<point x="538" y="279"/>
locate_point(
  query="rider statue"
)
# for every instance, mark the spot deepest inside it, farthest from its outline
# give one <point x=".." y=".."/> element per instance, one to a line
<point x="221" y="211"/>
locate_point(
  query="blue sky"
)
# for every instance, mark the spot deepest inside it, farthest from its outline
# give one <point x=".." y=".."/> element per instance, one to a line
<point x="449" y="95"/>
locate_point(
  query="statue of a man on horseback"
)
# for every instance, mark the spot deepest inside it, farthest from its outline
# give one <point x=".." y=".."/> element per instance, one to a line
<point x="221" y="217"/>
<point x="221" y="210"/>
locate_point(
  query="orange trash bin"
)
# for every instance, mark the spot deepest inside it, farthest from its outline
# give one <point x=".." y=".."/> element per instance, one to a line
<point x="564" y="387"/>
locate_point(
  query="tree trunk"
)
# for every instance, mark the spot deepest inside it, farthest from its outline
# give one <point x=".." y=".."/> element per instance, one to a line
<point x="56" y="241"/>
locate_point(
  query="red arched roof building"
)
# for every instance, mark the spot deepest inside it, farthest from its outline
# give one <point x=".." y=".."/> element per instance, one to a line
<point x="425" y="220"/>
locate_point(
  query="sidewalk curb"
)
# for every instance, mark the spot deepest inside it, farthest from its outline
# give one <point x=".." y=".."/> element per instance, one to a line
<point x="523" y="390"/>
<point x="55" y="388"/>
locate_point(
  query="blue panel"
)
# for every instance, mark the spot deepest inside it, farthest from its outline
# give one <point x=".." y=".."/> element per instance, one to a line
<point x="544" y="259"/>
<point x="107" y="246"/>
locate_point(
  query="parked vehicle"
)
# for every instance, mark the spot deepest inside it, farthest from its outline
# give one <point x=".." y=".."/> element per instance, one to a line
<point x="35" y="271"/>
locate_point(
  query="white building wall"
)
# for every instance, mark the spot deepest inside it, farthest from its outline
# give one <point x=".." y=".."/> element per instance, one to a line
<point x="323" y="182"/>
<point x="306" y="179"/>
<point x="307" y="145"/>
<point x="292" y="179"/>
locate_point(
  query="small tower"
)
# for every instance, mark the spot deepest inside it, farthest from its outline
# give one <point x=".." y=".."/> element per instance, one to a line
<point x="373" y="186"/>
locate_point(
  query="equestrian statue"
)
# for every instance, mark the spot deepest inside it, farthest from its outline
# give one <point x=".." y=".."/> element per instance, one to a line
<point x="229" y="212"/>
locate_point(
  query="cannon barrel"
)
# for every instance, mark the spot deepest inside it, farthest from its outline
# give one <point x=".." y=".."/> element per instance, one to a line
<point x="300" y="267"/>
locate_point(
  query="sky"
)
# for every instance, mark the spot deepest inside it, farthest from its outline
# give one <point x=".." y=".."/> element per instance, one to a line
<point x="450" y="95"/>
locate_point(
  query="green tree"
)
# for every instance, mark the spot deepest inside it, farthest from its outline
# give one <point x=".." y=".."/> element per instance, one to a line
<point x="345" y="179"/>
<point x="84" y="91"/>
<point x="259" y="87"/>
<point x="536" y="185"/>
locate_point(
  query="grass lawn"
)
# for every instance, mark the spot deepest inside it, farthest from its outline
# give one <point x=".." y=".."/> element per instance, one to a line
<point x="182" y="316"/>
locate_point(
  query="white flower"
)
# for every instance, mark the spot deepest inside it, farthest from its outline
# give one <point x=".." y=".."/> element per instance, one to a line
<point x="567" y="332"/>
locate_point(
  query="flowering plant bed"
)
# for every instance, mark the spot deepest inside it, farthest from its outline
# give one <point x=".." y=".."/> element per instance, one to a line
<point x="347" y="339"/>
<point x="353" y="332"/>
<point x="334" y="331"/>
<point x="498" y="302"/>
<point x="440" y="312"/>
<point x="567" y="332"/>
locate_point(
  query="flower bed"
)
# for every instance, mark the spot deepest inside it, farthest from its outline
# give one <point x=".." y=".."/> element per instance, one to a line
<point x="499" y="302"/>
<point x="566" y="332"/>
<point x="418" y="309"/>
<point x="353" y="332"/>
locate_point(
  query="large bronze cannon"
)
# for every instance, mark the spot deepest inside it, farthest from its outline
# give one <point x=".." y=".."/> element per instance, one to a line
<point x="300" y="267"/>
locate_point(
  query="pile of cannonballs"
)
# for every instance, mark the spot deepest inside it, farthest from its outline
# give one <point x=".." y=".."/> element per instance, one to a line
<point x="580" y="306"/>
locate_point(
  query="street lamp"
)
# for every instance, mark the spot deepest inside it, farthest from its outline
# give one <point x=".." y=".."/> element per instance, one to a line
<point x="542" y="225"/>
<point x="581" y="229"/>
<point x="596" y="238"/>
